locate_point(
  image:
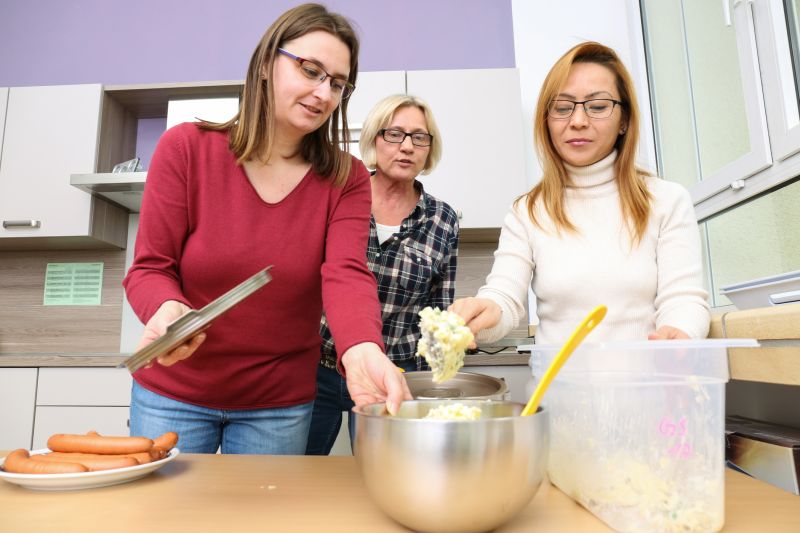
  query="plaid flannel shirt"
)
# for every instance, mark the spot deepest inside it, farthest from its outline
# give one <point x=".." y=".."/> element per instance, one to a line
<point x="414" y="268"/>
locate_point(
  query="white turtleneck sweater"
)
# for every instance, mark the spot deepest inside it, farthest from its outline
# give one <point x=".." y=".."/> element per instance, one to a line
<point x="657" y="283"/>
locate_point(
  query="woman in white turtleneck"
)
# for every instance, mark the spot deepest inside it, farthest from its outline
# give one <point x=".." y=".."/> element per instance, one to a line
<point x="596" y="229"/>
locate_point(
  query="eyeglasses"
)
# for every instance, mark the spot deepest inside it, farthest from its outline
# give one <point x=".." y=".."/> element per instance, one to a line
<point x="596" y="108"/>
<point x="398" y="137"/>
<point x="315" y="74"/>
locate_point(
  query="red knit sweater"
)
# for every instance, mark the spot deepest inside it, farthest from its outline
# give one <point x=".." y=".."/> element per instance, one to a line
<point x="203" y="229"/>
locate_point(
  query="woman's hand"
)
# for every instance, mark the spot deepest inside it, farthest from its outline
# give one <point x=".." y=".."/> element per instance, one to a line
<point x="667" y="333"/>
<point x="169" y="312"/>
<point x="372" y="377"/>
<point x="478" y="313"/>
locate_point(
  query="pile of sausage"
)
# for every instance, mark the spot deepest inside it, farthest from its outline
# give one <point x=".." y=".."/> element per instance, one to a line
<point x="72" y="454"/>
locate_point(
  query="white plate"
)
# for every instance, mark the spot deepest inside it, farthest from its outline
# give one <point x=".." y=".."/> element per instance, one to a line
<point x="83" y="480"/>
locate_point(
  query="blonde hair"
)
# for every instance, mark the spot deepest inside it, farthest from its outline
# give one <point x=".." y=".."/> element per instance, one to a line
<point x="252" y="130"/>
<point x="379" y="118"/>
<point x="635" y="199"/>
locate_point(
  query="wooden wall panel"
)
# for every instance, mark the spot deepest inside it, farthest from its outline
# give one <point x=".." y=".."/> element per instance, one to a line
<point x="27" y="326"/>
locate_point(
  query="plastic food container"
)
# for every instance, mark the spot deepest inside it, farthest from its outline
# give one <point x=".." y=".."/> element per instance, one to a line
<point x="638" y="431"/>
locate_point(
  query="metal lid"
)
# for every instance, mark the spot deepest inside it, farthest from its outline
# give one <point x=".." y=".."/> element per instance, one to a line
<point x="196" y="321"/>
<point x="464" y="385"/>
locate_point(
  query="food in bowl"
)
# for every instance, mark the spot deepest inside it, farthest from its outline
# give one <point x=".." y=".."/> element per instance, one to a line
<point x="440" y="477"/>
<point x="443" y="343"/>
<point x="454" y="411"/>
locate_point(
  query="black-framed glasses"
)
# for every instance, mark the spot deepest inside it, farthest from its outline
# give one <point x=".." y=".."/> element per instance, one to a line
<point x="418" y="138"/>
<point x="315" y="74"/>
<point x="595" y="108"/>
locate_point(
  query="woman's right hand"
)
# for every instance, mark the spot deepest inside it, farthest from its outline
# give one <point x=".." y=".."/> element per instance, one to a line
<point x="478" y="313"/>
<point x="169" y="312"/>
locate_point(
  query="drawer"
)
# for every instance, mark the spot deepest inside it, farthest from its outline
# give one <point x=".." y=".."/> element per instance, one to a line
<point x="84" y="386"/>
<point x="78" y="420"/>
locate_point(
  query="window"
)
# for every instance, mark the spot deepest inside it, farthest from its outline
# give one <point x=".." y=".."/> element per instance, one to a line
<point x="724" y="81"/>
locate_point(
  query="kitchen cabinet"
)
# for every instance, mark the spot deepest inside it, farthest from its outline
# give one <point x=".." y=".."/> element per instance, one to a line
<point x="77" y="400"/>
<point x="370" y="88"/>
<point x="17" y="399"/>
<point x="479" y="114"/>
<point x="50" y="133"/>
<point x="3" y="105"/>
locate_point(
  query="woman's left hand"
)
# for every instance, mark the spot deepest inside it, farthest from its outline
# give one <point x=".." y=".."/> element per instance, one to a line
<point x="667" y="333"/>
<point x="372" y="377"/>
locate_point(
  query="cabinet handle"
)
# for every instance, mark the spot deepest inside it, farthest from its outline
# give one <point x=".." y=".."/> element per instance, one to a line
<point x="737" y="185"/>
<point x="22" y="223"/>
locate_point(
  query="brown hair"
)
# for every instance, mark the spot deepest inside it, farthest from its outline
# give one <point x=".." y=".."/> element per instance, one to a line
<point x="252" y="130"/>
<point x="634" y="197"/>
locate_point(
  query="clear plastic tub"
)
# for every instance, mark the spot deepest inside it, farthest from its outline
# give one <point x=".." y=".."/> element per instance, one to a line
<point x="637" y="431"/>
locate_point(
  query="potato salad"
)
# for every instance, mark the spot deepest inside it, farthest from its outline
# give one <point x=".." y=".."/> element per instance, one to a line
<point x="454" y="411"/>
<point x="443" y="342"/>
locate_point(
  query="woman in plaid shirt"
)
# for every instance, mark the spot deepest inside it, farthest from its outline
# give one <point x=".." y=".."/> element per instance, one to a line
<point x="412" y="249"/>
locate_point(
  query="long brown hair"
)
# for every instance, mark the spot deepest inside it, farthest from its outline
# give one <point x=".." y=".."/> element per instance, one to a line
<point x="634" y="197"/>
<point x="252" y="130"/>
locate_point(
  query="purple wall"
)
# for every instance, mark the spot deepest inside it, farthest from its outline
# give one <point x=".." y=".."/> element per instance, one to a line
<point x="53" y="42"/>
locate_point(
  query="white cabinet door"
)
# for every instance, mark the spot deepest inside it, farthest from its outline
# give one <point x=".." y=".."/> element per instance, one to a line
<point x="370" y="88"/>
<point x="50" y="133"/>
<point x="78" y="420"/>
<point x="3" y="104"/>
<point x="84" y="387"/>
<point x="17" y="398"/>
<point x="479" y="114"/>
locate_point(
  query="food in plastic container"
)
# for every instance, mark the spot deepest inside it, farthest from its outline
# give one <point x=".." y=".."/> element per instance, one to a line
<point x="637" y="431"/>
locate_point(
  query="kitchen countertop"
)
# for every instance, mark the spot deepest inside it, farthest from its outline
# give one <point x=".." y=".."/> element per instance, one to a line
<point x="505" y="357"/>
<point x="231" y="493"/>
<point x="777" y="330"/>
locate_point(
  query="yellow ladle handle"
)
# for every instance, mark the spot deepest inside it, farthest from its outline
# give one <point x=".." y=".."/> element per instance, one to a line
<point x="583" y="329"/>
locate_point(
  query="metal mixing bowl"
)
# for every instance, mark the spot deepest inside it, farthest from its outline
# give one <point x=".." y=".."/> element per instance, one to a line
<point x="451" y="476"/>
<point x="464" y="385"/>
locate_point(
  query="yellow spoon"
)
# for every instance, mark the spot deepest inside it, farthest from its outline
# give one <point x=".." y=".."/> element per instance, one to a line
<point x="588" y="324"/>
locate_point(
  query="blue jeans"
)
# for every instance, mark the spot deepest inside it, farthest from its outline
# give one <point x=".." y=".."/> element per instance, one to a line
<point x="278" y="431"/>
<point x="332" y="400"/>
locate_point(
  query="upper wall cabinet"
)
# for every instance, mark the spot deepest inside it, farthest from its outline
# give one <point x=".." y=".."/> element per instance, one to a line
<point x="479" y="114"/>
<point x="370" y="89"/>
<point x="50" y="133"/>
<point x="3" y="104"/>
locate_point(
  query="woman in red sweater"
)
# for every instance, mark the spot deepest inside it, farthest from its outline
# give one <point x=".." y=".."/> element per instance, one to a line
<point x="268" y="187"/>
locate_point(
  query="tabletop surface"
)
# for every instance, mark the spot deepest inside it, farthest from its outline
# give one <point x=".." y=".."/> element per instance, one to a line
<point x="231" y="493"/>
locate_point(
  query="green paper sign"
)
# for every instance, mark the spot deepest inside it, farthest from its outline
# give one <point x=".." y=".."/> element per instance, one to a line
<point x="73" y="284"/>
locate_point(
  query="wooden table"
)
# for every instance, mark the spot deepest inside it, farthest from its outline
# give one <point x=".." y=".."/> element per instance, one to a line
<point x="232" y="493"/>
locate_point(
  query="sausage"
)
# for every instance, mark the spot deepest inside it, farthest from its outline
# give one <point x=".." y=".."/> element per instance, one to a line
<point x="91" y="461"/>
<point x="20" y="462"/>
<point x="167" y="441"/>
<point x="98" y="444"/>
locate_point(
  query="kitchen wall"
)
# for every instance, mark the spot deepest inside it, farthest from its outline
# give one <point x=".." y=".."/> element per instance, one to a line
<point x="154" y="41"/>
<point x="114" y="42"/>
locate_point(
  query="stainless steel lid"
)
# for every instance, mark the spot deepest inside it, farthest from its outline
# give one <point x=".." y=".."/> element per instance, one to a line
<point x="196" y="321"/>
<point x="464" y="385"/>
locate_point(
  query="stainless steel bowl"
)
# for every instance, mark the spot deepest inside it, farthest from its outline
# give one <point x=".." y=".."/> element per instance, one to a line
<point x="463" y="386"/>
<point x="451" y="476"/>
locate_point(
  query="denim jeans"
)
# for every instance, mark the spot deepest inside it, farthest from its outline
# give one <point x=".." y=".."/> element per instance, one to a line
<point x="332" y="400"/>
<point x="278" y="431"/>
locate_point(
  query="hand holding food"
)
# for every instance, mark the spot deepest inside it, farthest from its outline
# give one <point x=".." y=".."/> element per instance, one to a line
<point x="478" y="313"/>
<point x="444" y="339"/>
